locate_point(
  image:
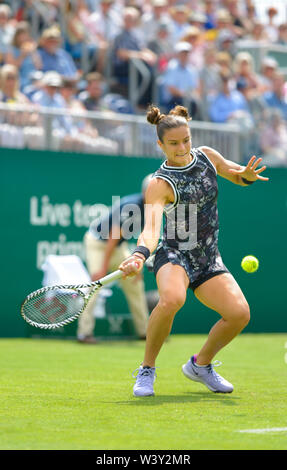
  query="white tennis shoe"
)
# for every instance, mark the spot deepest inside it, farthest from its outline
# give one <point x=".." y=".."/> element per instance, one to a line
<point x="144" y="381"/>
<point x="207" y="376"/>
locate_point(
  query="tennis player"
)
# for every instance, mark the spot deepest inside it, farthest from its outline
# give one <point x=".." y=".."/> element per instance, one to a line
<point x="188" y="179"/>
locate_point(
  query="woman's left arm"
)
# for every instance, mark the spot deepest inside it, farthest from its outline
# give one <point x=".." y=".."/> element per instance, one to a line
<point x="238" y="174"/>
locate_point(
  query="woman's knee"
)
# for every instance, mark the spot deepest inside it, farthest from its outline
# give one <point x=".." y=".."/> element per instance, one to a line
<point x="241" y="313"/>
<point x="171" y="302"/>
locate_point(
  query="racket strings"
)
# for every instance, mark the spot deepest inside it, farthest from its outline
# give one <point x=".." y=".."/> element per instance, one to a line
<point x="53" y="308"/>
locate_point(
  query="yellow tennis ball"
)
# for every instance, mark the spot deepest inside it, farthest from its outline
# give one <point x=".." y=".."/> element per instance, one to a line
<point x="250" y="264"/>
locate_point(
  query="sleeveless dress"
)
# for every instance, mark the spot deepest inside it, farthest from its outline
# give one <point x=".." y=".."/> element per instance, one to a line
<point x="190" y="233"/>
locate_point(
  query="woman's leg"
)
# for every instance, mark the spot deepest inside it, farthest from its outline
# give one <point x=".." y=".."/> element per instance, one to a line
<point x="172" y="282"/>
<point x="222" y="294"/>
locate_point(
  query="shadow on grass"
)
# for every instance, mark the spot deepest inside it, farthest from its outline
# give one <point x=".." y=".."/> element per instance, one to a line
<point x="188" y="397"/>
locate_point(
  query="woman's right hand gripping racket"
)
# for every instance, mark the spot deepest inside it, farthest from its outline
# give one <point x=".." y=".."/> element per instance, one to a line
<point x="55" y="306"/>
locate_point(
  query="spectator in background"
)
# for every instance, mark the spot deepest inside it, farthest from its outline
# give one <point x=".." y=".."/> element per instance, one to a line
<point x="227" y="102"/>
<point x="258" y="33"/>
<point x="23" y="54"/>
<point x="180" y="82"/>
<point x="68" y="91"/>
<point x="194" y="37"/>
<point x="198" y="20"/>
<point x="243" y="67"/>
<point x="226" y="42"/>
<point x="10" y="93"/>
<point x="209" y="11"/>
<point x="276" y="97"/>
<point x="224" y="61"/>
<point x="282" y="34"/>
<point x="150" y="21"/>
<point x="236" y="17"/>
<point x="35" y="84"/>
<point x="180" y="24"/>
<point x="104" y="23"/>
<point x="273" y="140"/>
<point x="9" y="85"/>
<point x="53" y="56"/>
<point x="127" y="46"/>
<point x="46" y="12"/>
<point x="81" y="126"/>
<point x="249" y="17"/>
<point x="49" y="96"/>
<point x="91" y="96"/>
<point x="102" y="26"/>
<point x="210" y="74"/>
<point x="6" y="28"/>
<point x="269" y="68"/>
<point x="254" y="99"/>
<point x="271" y="28"/>
<point x="162" y="45"/>
<point x="76" y="38"/>
<point x="224" y="22"/>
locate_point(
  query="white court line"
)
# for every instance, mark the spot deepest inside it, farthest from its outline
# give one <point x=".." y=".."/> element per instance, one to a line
<point x="262" y="431"/>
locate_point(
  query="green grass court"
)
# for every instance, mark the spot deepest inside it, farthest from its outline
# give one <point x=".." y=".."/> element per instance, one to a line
<point x="61" y="395"/>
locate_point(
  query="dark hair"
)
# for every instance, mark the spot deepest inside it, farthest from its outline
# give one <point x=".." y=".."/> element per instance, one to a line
<point x="176" y="117"/>
<point x="94" y="76"/>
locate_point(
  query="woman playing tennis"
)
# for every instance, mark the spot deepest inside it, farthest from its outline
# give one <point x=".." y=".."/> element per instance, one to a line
<point x="184" y="189"/>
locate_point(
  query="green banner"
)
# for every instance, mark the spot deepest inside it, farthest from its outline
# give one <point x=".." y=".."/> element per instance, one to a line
<point x="46" y="201"/>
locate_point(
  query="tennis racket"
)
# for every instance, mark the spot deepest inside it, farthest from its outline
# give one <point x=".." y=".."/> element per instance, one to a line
<point x="55" y="306"/>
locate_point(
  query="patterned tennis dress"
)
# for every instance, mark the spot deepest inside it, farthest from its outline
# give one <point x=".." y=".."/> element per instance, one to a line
<point x="190" y="233"/>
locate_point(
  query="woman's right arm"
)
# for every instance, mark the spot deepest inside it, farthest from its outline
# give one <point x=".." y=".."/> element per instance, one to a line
<point x="158" y="194"/>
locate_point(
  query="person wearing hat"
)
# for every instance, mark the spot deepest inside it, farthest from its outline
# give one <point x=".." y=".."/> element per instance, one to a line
<point x="150" y="21"/>
<point x="225" y="22"/>
<point x="106" y="247"/>
<point x="53" y="56"/>
<point x="49" y="96"/>
<point x="180" y="25"/>
<point x="180" y="82"/>
<point x="197" y="19"/>
<point x="244" y="67"/>
<point x="268" y="70"/>
<point x="195" y="38"/>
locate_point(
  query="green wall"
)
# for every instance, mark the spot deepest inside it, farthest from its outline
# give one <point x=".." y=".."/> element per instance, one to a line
<point x="253" y="221"/>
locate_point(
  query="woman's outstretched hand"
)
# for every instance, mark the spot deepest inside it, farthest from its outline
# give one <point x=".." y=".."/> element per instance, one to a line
<point x="250" y="171"/>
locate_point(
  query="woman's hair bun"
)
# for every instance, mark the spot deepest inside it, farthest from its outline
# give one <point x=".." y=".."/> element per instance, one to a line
<point x="180" y="111"/>
<point x="154" y="115"/>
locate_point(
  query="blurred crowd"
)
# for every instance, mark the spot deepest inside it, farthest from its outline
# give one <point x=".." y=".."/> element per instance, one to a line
<point x="77" y="55"/>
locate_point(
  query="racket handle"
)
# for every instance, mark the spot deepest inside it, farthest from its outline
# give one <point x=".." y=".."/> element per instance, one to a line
<point x="113" y="276"/>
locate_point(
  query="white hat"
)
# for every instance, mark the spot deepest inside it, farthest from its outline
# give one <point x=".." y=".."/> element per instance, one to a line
<point x="52" y="79"/>
<point x="183" y="46"/>
<point x="159" y="3"/>
<point x="269" y="62"/>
